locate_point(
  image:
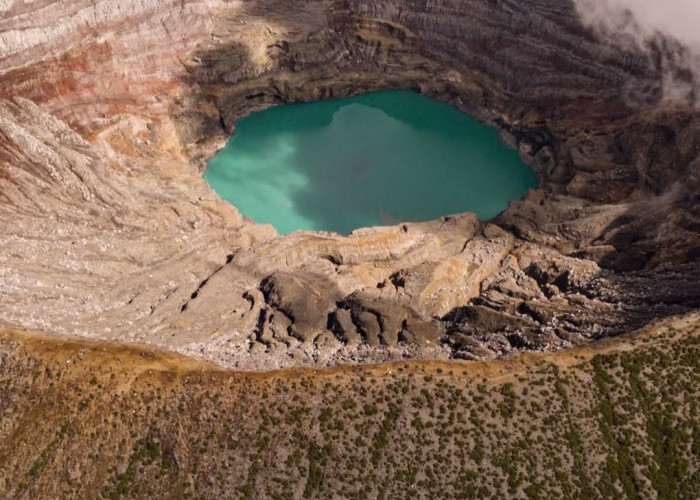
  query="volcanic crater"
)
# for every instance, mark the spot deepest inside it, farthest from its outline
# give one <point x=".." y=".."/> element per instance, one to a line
<point x="109" y="111"/>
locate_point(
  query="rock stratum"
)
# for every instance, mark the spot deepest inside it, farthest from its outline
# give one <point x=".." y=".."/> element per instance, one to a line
<point x="109" y="110"/>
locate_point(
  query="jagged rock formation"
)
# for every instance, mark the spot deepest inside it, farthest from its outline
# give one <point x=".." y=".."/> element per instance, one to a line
<point x="108" y="230"/>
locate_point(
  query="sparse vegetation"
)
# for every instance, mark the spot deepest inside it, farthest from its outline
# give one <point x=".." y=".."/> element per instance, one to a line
<point x="613" y="423"/>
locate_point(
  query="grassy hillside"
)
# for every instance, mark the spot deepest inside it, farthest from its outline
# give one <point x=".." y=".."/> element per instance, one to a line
<point x="89" y="420"/>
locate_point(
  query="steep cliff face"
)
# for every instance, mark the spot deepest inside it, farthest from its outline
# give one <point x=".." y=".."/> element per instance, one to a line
<point x="110" y="109"/>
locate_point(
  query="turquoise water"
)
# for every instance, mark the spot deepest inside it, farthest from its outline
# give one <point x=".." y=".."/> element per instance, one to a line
<point x="376" y="159"/>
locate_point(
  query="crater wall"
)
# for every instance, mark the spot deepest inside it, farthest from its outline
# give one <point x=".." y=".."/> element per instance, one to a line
<point x="110" y="109"/>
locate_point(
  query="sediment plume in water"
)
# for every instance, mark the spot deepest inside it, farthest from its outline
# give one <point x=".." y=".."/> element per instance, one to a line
<point x="377" y="159"/>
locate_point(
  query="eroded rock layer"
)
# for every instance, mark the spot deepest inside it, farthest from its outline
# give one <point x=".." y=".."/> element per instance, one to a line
<point x="110" y="108"/>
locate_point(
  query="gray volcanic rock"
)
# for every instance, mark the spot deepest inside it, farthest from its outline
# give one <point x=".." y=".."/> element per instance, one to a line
<point x="108" y="116"/>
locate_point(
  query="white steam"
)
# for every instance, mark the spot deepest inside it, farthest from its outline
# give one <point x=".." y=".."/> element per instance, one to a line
<point x="673" y="24"/>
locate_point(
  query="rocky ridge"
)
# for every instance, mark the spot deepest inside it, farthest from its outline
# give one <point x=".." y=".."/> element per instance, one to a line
<point x="108" y="230"/>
